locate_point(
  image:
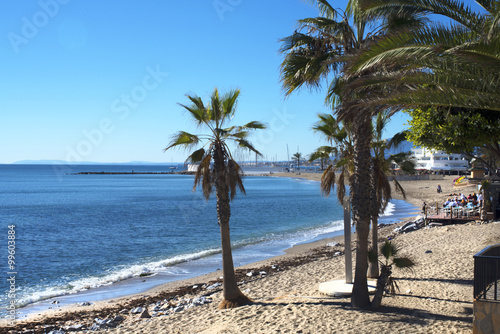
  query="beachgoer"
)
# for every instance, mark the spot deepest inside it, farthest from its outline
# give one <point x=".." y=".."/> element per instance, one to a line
<point x="480" y="200"/>
<point x="423" y="207"/>
<point x="439" y="189"/>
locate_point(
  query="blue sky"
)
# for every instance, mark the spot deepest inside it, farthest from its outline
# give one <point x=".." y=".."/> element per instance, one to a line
<point x="100" y="80"/>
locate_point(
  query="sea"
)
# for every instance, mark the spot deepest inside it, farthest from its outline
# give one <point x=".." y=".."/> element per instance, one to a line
<point x="70" y="238"/>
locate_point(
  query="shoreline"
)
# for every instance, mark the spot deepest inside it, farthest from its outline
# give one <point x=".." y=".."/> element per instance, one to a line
<point x="297" y="250"/>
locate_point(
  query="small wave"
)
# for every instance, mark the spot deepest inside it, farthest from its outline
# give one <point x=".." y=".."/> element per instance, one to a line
<point x="117" y="275"/>
<point x="389" y="210"/>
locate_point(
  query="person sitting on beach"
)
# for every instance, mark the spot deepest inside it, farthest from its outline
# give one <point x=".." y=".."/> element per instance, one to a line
<point x="474" y="196"/>
<point x="448" y="202"/>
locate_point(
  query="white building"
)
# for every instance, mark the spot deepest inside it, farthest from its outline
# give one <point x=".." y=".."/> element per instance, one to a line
<point x="433" y="160"/>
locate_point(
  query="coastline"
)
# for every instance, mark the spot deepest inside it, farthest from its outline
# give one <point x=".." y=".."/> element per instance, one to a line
<point x="296" y="251"/>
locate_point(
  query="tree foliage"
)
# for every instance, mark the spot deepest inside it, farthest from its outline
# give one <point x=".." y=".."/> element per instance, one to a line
<point x="455" y="130"/>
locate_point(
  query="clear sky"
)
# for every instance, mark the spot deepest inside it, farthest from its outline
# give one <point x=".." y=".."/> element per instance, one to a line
<point x="100" y="80"/>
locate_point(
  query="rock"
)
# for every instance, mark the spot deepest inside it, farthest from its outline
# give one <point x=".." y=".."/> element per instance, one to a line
<point x="408" y="291"/>
<point x="214" y="286"/>
<point x="262" y="273"/>
<point x="195" y="287"/>
<point x="56" y="331"/>
<point x="428" y="251"/>
<point x="124" y="311"/>
<point x="333" y="244"/>
<point x="273" y="266"/>
<point x="84" y="304"/>
<point x="118" y="319"/>
<point x="54" y="302"/>
<point x="145" y="314"/>
<point x="178" y="309"/>
<point x="74" y="328"/>
<point x="137" y="310"/>
<point x="250" y="274"/>
<point x="336" y="254"/>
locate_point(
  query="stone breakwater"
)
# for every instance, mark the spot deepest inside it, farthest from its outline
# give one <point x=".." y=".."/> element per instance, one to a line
<point x="134" y="173"/>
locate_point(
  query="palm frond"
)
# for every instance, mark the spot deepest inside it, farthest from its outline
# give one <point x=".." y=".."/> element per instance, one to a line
<point x="328" y="180"/>
<point x="403" y="262"/>
<point x="254" y="125"/>
<point x="230" y="101"/>
<point x="247" y="145"/>
<point x="388" y="250"/>
<point x="233" y="178"/>
<point x="196" y="156"/>
<point x="183" y="139"/>
<point x="203" y="175"/>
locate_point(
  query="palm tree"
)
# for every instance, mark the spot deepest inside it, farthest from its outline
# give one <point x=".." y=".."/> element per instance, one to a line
<point x="381" y="171"/>
<point x="339" y="136"/>
<point x="297" y="156"/>
<point x="322" y="154"/>
<point x="389" y="252"/>
<point x="442" y="66"/>
<point x="319" y="48"/>
<point x="224" y="175"/>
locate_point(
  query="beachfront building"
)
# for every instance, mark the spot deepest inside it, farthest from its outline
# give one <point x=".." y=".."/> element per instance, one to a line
<point x="439" y="161"/>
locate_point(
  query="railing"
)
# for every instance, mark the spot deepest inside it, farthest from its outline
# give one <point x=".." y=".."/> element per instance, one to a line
<point x="487" y="273"/>
<point x="456" y="212"/>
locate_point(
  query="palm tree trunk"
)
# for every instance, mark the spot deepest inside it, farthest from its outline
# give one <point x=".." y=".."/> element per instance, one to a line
<point x="231" y="293"/>
<point x="374" y="209"/>
<point x="361" y="210"/>
<point x="385" y="272"/>
<point x="373" y="268"/>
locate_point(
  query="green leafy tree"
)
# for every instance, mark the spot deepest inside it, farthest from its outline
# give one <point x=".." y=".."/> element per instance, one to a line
<point x="385" y="281"/>
<point x="224" y="175"/>
<point x="475" y="133"/>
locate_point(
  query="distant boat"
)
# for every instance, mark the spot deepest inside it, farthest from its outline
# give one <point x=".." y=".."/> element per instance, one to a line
<point x="173" y="167"/>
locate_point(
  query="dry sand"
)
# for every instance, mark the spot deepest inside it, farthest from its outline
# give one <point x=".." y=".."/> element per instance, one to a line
<point x="436" y="297"/>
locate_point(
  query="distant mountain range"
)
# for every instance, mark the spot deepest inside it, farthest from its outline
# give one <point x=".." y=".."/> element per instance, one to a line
<point x="61" y="162"/>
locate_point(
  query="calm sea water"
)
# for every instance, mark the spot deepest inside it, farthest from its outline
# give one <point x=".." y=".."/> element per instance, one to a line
<point x="83" y="236"/>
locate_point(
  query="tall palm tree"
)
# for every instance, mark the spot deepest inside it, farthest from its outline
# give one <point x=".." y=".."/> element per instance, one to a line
<point x="320" y="48"/>
<point x="224" y="175"/>
<point x="339" y="136"/>
<point x="457" y="65"/>
<point x="381" y="190"/>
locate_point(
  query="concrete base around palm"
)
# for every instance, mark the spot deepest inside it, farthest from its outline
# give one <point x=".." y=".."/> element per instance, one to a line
<point x="340" y="288"/>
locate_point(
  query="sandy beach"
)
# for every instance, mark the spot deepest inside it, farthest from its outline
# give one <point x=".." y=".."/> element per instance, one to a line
<point x="436" y="297"/>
